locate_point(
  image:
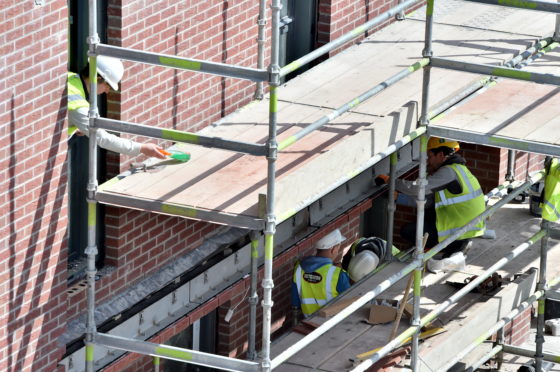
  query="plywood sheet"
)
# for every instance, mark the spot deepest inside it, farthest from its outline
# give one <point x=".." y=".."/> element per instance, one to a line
<point x="514" y="109"/>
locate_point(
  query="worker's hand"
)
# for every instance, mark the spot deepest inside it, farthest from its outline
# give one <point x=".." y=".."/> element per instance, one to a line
<point x="382" y="179"/>
<point x="152" y="150"/>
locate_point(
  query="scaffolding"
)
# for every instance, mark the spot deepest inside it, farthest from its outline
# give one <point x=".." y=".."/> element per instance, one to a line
<point x="267" y="224"/>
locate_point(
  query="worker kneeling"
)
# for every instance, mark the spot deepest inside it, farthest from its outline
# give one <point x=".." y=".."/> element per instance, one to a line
<point x="317" y="279"/>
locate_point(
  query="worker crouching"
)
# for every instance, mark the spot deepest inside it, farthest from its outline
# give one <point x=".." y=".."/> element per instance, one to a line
<point x="317" y="279"/>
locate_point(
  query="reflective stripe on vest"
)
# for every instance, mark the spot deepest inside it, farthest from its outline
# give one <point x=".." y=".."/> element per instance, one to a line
<point x="76" y="97"/>
<point x="551" y="201"/>
<point x="313" y="296"/>
<point x="454" y="211"/>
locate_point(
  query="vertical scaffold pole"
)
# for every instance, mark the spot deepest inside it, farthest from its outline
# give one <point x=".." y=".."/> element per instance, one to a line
<point x="261" y="22"/>
<point x="541" y="286"/>
<point x="427" y="53"/>
<point x="270" y="223"/>
<point x="156" y="361"/>
<point x="391" y="206"/>
<point x="91" y="249"/>
<point x="421" y="200"/>
<point x="400" y="15"/>
<point x="254" y="298"/>
<point x="556" y="35"/>
<point x="419" y="253"/>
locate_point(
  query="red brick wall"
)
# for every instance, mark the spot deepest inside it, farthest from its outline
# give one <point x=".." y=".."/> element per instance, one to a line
<point x="138" y="243"/>
<point x="212" y="30"/>
<point x="33" y="54"/>
<point x="518" y="331"/>
<point x="233" y="335"/>
<point x="337" y="17"/>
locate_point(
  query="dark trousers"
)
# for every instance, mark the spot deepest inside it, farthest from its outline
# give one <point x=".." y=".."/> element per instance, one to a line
<point x="408" y="232"/>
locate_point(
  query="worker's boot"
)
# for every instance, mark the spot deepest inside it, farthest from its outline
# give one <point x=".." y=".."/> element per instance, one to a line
<point x="456" y="262"/>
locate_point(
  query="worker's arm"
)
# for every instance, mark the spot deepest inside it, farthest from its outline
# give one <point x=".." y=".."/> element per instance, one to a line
<point x="435" y="182"/>
<point x="343" y="282"/>
<point x="106" y="140"/>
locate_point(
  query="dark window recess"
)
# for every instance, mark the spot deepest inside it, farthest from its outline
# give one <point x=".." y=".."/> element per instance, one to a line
<point x="78" y="150"/>
<point x="298" y="32"/>
<point x="184" y="339"/>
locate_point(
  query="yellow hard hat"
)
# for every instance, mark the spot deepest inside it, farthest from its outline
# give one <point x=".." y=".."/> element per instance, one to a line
<point x="435" y="142"/>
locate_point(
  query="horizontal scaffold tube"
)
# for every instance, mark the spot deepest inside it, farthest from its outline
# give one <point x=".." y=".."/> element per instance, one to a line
<point x="540" y="47"/>
<point x="179" y="136"/>
<point x="345" y="38"/>
<point x="215" y="68"/>
<point x="450" y="301"/>
<point x="512" y="349"/>
<point x="175" y="353"/>
<point x="495" y="140"/>
<point x="502" y="71"/>
<point x="544" y="6"/>
<point x="353" y="103"/>
<point x="495" y="328"/>
<point x="173" y="209"/>
<point x="476" y="365"/>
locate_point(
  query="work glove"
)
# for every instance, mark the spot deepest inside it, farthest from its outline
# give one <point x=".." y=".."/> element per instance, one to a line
<point x="382" y="179"/>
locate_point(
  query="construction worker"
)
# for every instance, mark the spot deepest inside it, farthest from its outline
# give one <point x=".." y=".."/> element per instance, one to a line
<point x="110" y="72"/>
<point x="317" y="279"/>
<point x="551" y="193"/>
<point x="453" y="198"/>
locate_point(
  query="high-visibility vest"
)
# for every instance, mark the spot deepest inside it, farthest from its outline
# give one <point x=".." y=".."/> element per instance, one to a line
<point x="551" y="201"/>
<point x="76" y="97"/>
<point x="453" y="211"/>
<point x="315" y="289"/>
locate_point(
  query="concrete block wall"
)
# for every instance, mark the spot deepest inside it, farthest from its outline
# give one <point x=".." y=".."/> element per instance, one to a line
<point x="33" y="54"/>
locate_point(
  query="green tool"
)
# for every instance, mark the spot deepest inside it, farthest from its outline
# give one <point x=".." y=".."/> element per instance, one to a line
<point x="177" y="155"/>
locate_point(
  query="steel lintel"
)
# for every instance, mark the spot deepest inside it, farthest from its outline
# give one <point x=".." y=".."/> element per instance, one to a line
<point x="215" y="68"/>
<point x="179" y="136"/>
<point x="507" y="72"/>
<point x="175" y="353"/>
<point x="495" y="140"/>
<point x="245" y="222"/>
<point x="544" y="6"/>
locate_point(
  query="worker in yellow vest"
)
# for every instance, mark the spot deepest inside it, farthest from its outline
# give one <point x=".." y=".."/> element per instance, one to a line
<point x="317" y="279"/>
<point x="110" y="72"/>
<point x="551" y="201"/>
<point x="453" y="198"/>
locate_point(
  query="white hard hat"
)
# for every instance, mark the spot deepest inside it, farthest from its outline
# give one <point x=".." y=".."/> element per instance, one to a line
<point x="330" y="240"/>
<point x="362" y="264"/>
<point x="111" y="70"/>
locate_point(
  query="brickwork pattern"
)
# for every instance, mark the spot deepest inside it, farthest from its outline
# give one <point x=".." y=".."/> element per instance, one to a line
<point x="33" y="54"/>
<point x="214" y="30"/>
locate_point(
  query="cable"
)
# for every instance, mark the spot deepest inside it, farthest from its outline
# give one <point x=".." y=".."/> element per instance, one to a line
<point x="231" y="310"/>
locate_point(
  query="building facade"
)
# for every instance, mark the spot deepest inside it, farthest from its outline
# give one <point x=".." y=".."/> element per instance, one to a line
<point x="42" y="288"/>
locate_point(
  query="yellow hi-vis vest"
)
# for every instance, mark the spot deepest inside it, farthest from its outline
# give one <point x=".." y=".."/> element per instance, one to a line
<point x="453" y="211"/>
<point x="76" y="97"/>
<point x="551" y="203"/>
<point x="317" y="288"/>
